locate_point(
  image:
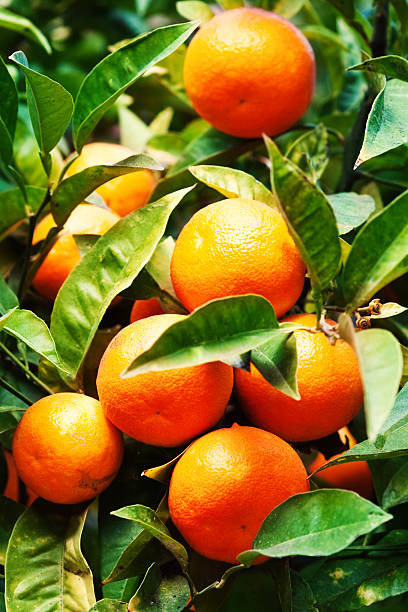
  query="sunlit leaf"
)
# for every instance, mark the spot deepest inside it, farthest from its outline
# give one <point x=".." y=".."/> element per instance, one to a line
<point x="393" y="66"/>
<point x="351" y="210"/>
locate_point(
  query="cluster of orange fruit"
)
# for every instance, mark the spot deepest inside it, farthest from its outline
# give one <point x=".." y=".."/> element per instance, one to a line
<point x="68" y="447"/>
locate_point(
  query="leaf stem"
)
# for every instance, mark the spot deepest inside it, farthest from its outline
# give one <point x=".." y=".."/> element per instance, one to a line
<point x="27" y="370"/>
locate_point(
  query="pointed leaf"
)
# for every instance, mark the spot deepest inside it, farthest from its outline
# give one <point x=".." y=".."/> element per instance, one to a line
<point x="8" y="298"/>
<point x="277" y="362"/>
<point x="73" y="190"/>
<point x="160" y="594"/>
<point x="117" y="71"/>
<point x="50" y="105"/>
<point x="105" y="271"/>
<point x="393" y="66"/>
<point x="233" y="183"/>
<point x="379" y="253"/>
<point x="351" y="210"/>
<point x="18" y="23"/>
<point x="195" y="10"/>
<point x="319" y="523"/>
<point x="8" y="111"/>
<point x="396" y="492"/>
<point x="390" y="309"/>
<point x="13" y="207"/>
<point x="308" y="214"/>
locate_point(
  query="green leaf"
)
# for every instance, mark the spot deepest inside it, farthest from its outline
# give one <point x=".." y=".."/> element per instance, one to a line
<point x="117" y="71"/>
<point x="393" y="66"/>
<point x="134" y="133"/>
<point x="8" y="112"/>
<point x="8" y="422"/>
<point x="160" y="125"/>
<point x="230" y="4"/>
<point x="324" y="35"/>
<point x="150" y="522"/>
<point x="387" y="123"/>
<point x="310" y="152"/>
<point x="18" y="23"/>
<point x="308" y="214"/>
<point x="233" y="183"/>
<point x="219" y="330"/>
<point x="315" y="524"/>
<point x="195" y="10"/>
<point x="45" y="566"/>
<point x="160" y="594"/>
<point x="351" y="210"/>
<point x="353" y="17"/>
<point x="286" y="8"/>
<point x="303" y="599"/>
<point x="50" y="105"/>
<point x="8" y="298"/>
<point x="109" y="605"/>
<point x="396" y="492"/>
<point x="277" y="362"/>
<point x="13" y="208"/>
<point x="33" y="331"/>
<point x="73" y="190"/>
<point x="105" y="271"/>
<point x="390" y="309"/>
<point x="379" y="253"/>
<point x="9" y="513"/>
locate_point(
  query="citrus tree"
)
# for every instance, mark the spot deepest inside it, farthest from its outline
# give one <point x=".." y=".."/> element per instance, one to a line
<point x="204" y="342"/>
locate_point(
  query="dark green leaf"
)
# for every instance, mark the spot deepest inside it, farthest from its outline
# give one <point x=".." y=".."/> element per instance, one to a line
<point x="308" y="214"/>
<point x="13" y="209"/>
<point x="50" y="105"/>
<point x="117" y="71"/>
<point x="319" y="523"/>
<point x="303" y="599"/>
<point x="387" y="123"/>
<point x="219" y="330"/>
<point x="310" y="152"/>
<point x="45" y="567"/>
<point x="73" y="190"/>
<point x="160" y="594"/>
<point x="277" y="362"/>
<point x="9" y="513"/>
<point x="396" y="491"/>
<point x="393" y="66"/>
<point x="351" y="210"/>
<point x="233" y="183"/>
<point x="379" y="253"/>
<point x="8" y="422"/>
<point x="8" y="112"/>
<point x="18" y="23"/>
<point x="105" y="271"/>
<point x="354" y="17"/>
<point x="8" y="298"/>
<point x="195" y="10"/>
<point x="324" y="35"/>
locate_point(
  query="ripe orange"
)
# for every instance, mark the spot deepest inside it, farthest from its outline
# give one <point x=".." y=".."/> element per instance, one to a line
<point x="225" y="485"/>
<point x="235" y="247"/>
<point x="248" y="71"/>
<point x="164" y="408"/>
<point x="122" y="194"/>
<point x="145" y="308"/>
<point x="65" y="449"/>
<point x="329" y="385"/>
<point x="354" y="476"/>
<point x="64" y="255"/>
<point x="12" y="489"/>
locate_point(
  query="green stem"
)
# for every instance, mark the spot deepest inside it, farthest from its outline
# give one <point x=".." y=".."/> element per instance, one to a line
<point x="27" y="370"/>
<point x="15" y="392"/>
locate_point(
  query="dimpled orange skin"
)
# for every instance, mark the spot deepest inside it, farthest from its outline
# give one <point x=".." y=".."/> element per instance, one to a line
<point x="142" y="309"/>
<point x="248" y="71"/>
<point x="165" y="408"/>
<point x="354" y="476"/>
<point x="329" y="384"/>
<point x="65" y="449"/>
<point x="122" y="194"/>
<point x="234" y="247"/>
<point x="64" y="255"/>
<point x="226" y="484"/>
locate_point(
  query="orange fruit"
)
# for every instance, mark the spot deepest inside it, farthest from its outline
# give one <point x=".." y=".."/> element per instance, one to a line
<point x="354" y="476"/>
<point x="12" y="489"/>
<point x="122" y="194"/>
<point x="226" y="484"/>
<point x="145" y="308"/>
<point x="65" y="449"/>
<point x="64" y="255"/>
<point x="329" y="384"/>
<point x="165" y="408"/>
<point x="234" y="247"/>
<point x="249" y="71"/>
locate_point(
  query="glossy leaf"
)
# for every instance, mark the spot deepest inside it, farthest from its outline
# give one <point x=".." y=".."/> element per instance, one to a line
<point x="45" y="567"/>
<point x="105" y="271"/>
<point x="20" y="24"/>
<point x="233" y="183"/>
<point x="308" y="214"/>
<point x="351" y="210"/>
<point x="109" y="605"/>
<point x="13" y="208"/>
<point x="194" y="10"/>
<point x="50" y="105"/>
<point x="319" y="523"/>
<point x="277" y="362"/>
<point x="8" y="298"/>
<point x="9" y="513"/>
<point x="310" y="152"/>
<point x="8" y="112"/>
<point x="150" y="522"/>
<point x="387" y="123"/>
<point x="73" y="190"/>
<point x="162" y="473"/>
<point x="219" y="330"/>
<point x="117" y="71"/>
<point x="396" y="492"/>
<point x="393" y="66"/>
<point x="379" y="253"/>
<point x="160" y="594"/>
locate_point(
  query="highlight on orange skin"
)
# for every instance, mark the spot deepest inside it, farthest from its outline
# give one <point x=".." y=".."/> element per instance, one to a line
<point x="353" y="476"/>
<point x="145" y="308"/>
<point x="122" y="194"/>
